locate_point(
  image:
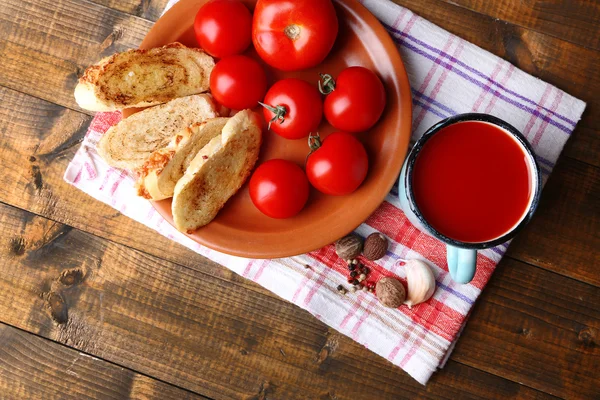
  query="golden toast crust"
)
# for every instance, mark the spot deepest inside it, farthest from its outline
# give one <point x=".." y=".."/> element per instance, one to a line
<point x="139" y="78"/>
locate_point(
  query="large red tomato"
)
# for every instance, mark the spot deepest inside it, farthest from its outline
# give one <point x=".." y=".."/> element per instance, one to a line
<point x="291" y="35"/>
<point x="338" y="165"/>
<point x="355" y="101"/>
<point x="279" y="188"/>
<point x="294" y="108"/>
<point x="238" y="82"/>
<point x="223" y="27"/>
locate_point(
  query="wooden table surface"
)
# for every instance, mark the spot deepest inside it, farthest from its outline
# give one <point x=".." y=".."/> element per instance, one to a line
<point x="94" y="305"/>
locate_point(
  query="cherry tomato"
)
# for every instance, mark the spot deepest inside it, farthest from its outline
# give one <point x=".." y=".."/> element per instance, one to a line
<point x="223" y="27"/>
<point x="293" y="107"/>
<point x="354" y="102"/>
<point x="238" y="82"/>
<point x="291" y="35"/>
<point x="338" y="165"/>
<point x="279" y="188"/>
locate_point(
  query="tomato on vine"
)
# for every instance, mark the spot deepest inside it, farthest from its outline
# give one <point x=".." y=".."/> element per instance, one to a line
<point x="337" y="165"/>
<point x="293" y="108"/>
<point x="355" y="101"/>
<point x="294" y="35"/>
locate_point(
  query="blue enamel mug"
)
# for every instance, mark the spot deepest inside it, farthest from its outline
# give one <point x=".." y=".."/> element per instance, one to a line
<point x="462" y="256"/>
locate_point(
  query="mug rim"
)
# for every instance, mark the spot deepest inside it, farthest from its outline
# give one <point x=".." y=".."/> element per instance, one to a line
<point x="479" y="117"/>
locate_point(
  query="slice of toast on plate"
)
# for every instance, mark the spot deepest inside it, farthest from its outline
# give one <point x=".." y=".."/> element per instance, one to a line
<point x="130" y="143"/>
<point x="142" y="78"/>
<point x="217" y="172"/>
<point x="160" y="173"/>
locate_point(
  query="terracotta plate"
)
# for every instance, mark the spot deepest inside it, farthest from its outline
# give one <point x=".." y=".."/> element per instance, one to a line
<point x="240" y="229"/>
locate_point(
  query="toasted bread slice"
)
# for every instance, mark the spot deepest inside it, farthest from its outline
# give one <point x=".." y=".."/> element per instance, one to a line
<point x="217" y="172"/>
<point x="130" y="143"/>
<point x="142" y="78"/>
<point x="160" y="173"/>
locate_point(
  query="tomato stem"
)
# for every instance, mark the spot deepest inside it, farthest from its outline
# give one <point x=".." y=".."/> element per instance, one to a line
<point x="326" y="84"/>
<point x="279" y="113"/>
<point x="314" y="141"/>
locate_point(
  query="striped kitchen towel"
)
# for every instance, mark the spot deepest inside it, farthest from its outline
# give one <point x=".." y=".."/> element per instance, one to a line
<point x="448" y="76"/>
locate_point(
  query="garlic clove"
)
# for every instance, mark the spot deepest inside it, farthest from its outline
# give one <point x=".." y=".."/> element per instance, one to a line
<point x="420" y="282"/>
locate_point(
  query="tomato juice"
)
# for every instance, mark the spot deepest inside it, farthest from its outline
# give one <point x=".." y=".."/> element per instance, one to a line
<point x="472" y="181"/>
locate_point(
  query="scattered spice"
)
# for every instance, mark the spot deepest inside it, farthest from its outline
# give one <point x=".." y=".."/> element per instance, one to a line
<point x="341" y="289"/>
<point x="350" y="247"/>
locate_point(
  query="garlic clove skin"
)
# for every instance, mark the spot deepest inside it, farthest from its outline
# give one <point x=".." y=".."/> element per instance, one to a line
<point x="420" y="282"/>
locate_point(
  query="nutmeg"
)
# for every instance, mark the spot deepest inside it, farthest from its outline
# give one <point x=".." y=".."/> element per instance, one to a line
<point x="375" y="246"/>
<point x="349" y="247"/>
<point x="390" y="292"/>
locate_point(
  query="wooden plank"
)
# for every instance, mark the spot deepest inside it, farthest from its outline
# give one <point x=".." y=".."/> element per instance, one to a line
<point x="35" y="368"/>
<point x="216" y="338"/>
<point x="573" y="21"/>
<point x="84" y="32"/>
<point x="147" y="9"/>
<point x="534" y="326"/>
<point x="50" y="134"/>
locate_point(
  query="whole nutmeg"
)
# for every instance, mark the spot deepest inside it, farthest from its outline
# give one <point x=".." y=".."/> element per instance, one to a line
<point x="349" y="247"/>
<point x="390" y="292"/>
<point x="376" y="246"/>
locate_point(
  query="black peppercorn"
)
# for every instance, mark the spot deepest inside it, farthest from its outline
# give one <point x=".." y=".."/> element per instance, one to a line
<point x="355" y="281"/>
<point x="366" y="271"/>
<point x="353" y="274"/>
<point x="340" y="287"/>
<point x="351" y="267"/>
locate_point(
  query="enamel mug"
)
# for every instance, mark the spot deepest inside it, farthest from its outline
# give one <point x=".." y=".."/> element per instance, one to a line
<point x="462" y="256"/>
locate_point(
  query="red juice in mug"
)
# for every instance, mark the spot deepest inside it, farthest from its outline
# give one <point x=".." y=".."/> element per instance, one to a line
<point x="472" y="182"/>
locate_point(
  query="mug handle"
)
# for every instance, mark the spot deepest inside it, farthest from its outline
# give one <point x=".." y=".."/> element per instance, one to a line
<point x="461" y="263"/>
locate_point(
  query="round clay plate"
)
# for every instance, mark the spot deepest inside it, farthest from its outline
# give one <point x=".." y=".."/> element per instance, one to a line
<point x="239" y="228"/>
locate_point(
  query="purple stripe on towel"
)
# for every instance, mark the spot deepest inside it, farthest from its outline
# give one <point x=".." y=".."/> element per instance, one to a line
<point x="476" y="72"/>
<point x="477" y="83"/>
